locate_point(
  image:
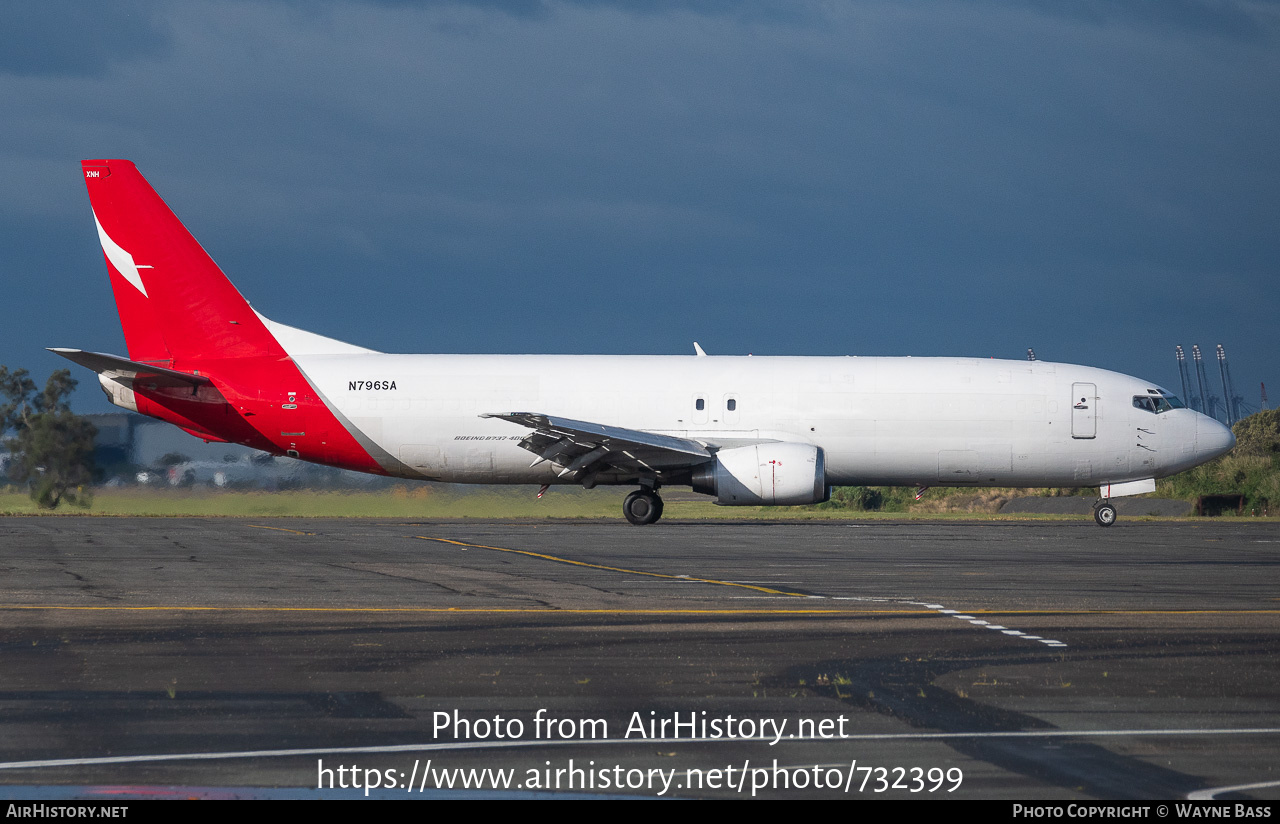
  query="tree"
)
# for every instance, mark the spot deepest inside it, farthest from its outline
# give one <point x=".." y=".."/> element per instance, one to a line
<point x="1258" y="434"/>
<point x="52" y="447"/>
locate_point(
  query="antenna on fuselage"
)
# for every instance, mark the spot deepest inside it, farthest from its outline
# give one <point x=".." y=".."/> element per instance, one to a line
<point x="1031" y="353"/>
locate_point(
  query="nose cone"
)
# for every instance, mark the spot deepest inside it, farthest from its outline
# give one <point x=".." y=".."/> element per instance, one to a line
<point x="1212" y="439"/>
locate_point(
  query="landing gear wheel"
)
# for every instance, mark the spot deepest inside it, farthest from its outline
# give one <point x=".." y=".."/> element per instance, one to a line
<point x="1104" y="513"/>
<point x="642" y="507"/>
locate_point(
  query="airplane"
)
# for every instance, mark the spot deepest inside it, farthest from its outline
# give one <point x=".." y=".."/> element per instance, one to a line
<point x="747" y="430"/>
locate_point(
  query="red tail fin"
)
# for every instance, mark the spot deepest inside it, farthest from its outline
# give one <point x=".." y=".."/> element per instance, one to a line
<point x="174" y="301"/>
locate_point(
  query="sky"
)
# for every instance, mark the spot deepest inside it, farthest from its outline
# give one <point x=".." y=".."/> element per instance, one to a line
<point x="1099" y="181"/>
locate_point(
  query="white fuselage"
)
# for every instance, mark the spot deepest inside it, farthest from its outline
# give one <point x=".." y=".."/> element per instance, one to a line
<point x="890" y="421"/>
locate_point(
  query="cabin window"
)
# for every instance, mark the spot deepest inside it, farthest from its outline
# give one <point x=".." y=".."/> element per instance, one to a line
<point x="731" y="404"/>
<point x="700" y="404"/>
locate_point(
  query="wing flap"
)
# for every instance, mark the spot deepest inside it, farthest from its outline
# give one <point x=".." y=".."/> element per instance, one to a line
<point x="589" y="448"/>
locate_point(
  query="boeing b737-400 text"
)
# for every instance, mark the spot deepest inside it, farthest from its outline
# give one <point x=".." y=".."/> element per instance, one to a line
<point x="746" y="430"/>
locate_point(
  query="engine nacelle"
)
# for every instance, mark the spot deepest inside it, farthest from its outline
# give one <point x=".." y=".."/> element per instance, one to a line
<point x="782" y="474"/>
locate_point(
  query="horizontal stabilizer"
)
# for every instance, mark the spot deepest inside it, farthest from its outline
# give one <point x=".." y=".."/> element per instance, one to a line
<point x="117" y="366"/>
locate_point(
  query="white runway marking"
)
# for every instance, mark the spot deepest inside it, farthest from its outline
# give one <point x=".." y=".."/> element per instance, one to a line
<point x="1209" y="794"/>
<point x="978" y="622"/>
<point x="493" y="745"/>
<point x="941" y="609"/>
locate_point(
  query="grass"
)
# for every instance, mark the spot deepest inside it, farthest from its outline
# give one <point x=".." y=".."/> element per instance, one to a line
<point x="401" y="502"/>
<point x="447" y="502"/>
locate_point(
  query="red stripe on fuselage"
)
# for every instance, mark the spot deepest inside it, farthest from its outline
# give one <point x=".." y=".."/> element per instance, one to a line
<point x="265" y="403"/>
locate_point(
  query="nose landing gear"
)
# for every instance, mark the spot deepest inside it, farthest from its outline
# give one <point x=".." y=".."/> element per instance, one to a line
<point x="1104" y="512"/>
<point x="642" y="507"/>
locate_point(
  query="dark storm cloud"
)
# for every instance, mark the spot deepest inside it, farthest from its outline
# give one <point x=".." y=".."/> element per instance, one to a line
<point x="536" y="8"/>
<point x="876" y="178"/>
<point x="66" y="38"/>
<point x="1225" y="18"/>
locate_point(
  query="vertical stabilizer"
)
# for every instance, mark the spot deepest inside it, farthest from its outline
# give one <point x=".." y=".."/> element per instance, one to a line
<point x="174" y="301"/>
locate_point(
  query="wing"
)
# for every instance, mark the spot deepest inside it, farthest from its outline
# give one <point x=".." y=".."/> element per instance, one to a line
<point x="590" y="448"/>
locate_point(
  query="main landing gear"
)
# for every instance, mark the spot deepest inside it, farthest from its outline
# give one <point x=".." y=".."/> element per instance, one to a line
<point x="642" y="507"/>
<point x="1104" y="512"/>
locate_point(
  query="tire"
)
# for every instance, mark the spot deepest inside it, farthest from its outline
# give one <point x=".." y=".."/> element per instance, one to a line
<point x="642" y="507"/>
<point x="1104" y="514"/>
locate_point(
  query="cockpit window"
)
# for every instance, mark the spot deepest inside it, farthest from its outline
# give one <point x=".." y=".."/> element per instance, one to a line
<point x="1156" y="403"/>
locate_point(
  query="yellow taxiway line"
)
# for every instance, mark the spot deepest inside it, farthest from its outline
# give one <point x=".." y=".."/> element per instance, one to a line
<point x="617" y="569"/>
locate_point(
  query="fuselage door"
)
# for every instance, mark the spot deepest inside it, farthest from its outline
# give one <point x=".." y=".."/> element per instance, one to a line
<point x="700" y="404"/>
<point x="731" y="409"/>
<point x="1084" y="404"/>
